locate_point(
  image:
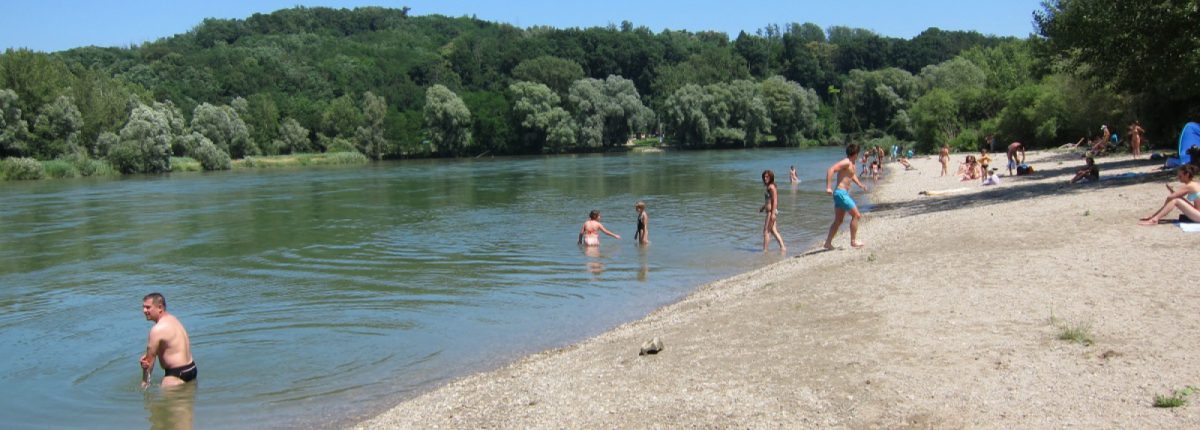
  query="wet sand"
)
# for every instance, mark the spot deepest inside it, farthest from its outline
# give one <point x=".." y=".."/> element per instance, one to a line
<point x="950" y="317"/>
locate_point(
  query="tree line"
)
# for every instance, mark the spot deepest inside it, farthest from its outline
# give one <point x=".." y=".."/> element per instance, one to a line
<point x="388" y="85"/>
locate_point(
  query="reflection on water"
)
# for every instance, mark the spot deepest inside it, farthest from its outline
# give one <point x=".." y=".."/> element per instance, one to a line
<point x="171" y="408"/>
<point x="340" y="291"/>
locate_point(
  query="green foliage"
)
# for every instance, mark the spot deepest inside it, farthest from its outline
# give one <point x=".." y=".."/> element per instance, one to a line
<point x="224" y="128"/>
<point x="185" y="164"/>
<point x="553" y="72"/>
<point x="448" y="121"/>
<point x="85" y="166"/>
<point x="293" y="137"/>
<point x="59" y="169"/>
<point x="1177" y="399"/>
<point x="209" y="155"/>
<point x="607" y="111"/>
<point x="21" y="168"/>
<point x="56" y="130"/>
<point x="13" y="129"/>
<point x="878" y="100"/>
<point x="369" y="138"/>
<point x="145" y="141"/>
<point x="936" y="120"/>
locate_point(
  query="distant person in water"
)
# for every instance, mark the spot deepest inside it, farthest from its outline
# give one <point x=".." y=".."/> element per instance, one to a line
<point x="1013" y="161"/>
<point x="642" y="236"/>
<point x="1185" y="198"/>
<point x="168" y="343"/>
<point x="589" y="234"/>
<point x="842" y="203"/>
<point x="944" y="158"/>
<point x="793" y="177"/>
<point x="771" y="207"/>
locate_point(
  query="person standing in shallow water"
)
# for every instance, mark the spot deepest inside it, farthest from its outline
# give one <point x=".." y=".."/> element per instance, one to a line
<point x="642" y="235"/>
<point x="589" y="234"/>
<point x="842" y="203"/>
<point x="168" y="342"/>
<point x="771" y="207"/>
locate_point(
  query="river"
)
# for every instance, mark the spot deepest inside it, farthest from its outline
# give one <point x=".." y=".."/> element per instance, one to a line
<point x="321" y="296"/>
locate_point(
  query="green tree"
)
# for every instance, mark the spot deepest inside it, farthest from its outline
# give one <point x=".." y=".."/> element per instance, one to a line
<point x="878" y="100"/>
<point x="607" y="111"/>
<point x="792" y="110"/>
<point x="447" y="121"/>
<point x="261" y="115"/>
<point x="546" y="124"/>
<point x="370" y="138"/>
<point x="342" y="118"/>
<point x="936" y="120"/>
<point x="14" y="130"/>
<point x="556" y="73"/>
<point x="225" y="129"/>
<point x="686" y="119"/>
<point x="145" y="144"/>
<point x="57" y="129"/>
<point x="293" y="137"/>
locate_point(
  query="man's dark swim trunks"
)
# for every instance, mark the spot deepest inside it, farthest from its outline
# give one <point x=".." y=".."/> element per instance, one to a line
<point x="186" y="372"/>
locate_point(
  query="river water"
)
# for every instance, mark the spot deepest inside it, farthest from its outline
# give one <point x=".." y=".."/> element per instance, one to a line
<point x="321" y="296"/>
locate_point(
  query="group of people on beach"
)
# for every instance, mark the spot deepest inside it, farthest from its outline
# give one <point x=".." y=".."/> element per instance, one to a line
<point x="589" y="233"/>
<point x="842" y="202"/>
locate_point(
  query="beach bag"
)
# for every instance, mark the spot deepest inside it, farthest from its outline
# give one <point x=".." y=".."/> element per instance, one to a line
<point x="1024" y="169"/>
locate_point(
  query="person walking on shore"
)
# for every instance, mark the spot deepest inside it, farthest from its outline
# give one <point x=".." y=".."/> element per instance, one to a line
<point x="771" y="207"/>
<point x="168" y="343"/>
<point x="842" y="203"/>
<point x="1012" y="156"/>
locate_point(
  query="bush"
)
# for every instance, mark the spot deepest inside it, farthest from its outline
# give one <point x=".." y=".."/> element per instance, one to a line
<point x="185" y="164"/>
<point x="352" y="157"/>
<point x="18" y="169"/>
<point x="89" y="166"/>
<point x="60" y="169"/>
<point x="338" y="144"/>
<point x="211" y="157"/>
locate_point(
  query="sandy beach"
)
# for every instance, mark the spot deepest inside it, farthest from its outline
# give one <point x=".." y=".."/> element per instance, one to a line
<point x="950" y="317"/>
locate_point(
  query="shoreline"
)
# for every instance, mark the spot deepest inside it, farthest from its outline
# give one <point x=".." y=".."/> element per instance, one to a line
<point x="929" y="325"/>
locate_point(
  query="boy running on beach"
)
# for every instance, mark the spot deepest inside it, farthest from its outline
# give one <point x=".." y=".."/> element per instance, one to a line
<point x="842" y="202"/>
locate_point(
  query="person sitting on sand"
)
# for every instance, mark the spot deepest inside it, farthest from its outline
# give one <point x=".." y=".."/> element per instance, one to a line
<point x="1089" y="172"/>
<point x="971" y="169"/>
<point x="589" y="234"/>
<point x="1184" y="198"/>
<point x="991" y="178"/>
<point x="842" y="203"/>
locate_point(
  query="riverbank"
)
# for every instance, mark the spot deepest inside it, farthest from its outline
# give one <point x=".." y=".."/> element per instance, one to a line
<point x="951" y="317"/>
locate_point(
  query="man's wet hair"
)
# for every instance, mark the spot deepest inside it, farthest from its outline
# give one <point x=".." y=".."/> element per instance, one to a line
<point x="851" y="149"/>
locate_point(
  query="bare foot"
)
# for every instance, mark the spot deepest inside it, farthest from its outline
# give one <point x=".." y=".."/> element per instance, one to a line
<point x="1149" y="221"/>
<point x="857" y="244"/>
<point x="828" y="246"/>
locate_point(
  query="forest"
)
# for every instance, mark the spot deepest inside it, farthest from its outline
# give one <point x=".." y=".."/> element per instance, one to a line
<point x="378" y="83"/>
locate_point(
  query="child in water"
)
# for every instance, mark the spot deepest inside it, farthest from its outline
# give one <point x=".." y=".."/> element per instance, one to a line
<point x="589" y="234"/>
<point x="642" y="235"/>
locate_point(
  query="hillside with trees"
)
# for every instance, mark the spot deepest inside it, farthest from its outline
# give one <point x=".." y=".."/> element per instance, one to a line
<point x="389" y="85"/>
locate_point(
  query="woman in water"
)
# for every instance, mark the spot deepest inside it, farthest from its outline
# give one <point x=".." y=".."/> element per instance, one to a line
<point x="771" y="207"/>
<point x="642" y="236"/>
<point x="1183" y="198"/>
<point x="589" y="235"/>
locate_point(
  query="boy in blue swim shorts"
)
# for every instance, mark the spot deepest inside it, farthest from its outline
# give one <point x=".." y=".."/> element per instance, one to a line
<point x="842" y="202"/>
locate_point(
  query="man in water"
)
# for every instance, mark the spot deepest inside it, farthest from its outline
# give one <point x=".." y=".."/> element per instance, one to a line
<point x="1012" y="156"/>
<point x="168" y="342"/>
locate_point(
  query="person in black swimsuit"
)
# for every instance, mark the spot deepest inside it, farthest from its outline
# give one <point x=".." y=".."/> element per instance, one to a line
<point x="642" y="236"/>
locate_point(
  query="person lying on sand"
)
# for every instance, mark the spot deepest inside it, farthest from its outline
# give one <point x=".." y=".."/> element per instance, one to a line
<point x="1183" y="198"/>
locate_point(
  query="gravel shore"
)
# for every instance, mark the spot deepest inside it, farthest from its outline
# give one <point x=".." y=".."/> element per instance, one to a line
<point x="950" y="317"/>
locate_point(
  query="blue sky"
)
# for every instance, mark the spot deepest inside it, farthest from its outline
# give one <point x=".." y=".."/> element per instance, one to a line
<point x="53" y="25"/>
